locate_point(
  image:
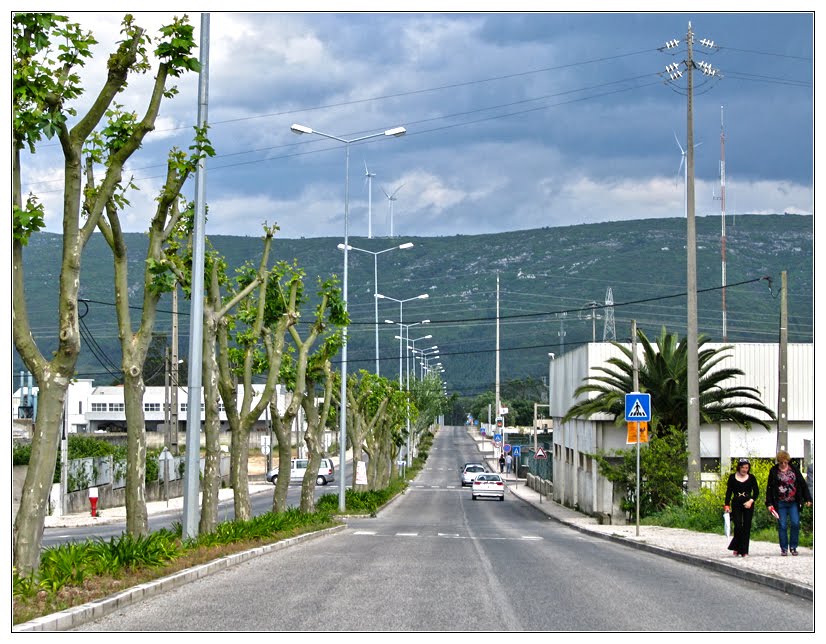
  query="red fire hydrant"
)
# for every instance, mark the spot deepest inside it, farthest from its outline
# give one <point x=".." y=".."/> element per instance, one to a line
<point x="93" y="500"/>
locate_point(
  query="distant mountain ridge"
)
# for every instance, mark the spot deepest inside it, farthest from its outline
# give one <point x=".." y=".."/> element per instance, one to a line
<point x="553" y="284"/>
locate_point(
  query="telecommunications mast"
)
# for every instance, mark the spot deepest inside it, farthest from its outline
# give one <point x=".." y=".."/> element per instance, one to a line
<point x="723" y="219"/>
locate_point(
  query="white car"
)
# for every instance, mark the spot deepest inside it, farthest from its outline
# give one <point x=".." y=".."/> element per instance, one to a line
<point x="298" y="466"/>
<point x="470" y="471"/>
<point x="488" y="484"/>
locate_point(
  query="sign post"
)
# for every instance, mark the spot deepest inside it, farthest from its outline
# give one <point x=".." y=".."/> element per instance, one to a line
<point x="540" y="455"/>
<point x="637" y="409"/>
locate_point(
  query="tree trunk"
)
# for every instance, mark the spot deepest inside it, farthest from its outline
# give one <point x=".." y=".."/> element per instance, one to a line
<point x="211" y="483"/>
<point x="137" y="520"/>
<point x="282" y="434"/>
<point x="239" y="469"/>
<point x="34" y="501"/>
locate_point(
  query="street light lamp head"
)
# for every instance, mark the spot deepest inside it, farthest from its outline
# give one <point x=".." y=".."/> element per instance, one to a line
<point x="342" y="247"/>
<point x="423" y="296"/>
<point x="396" y="131"/>
<point x="389" y="322"/>
<point x="551" y="356"/>
<point x="407" y="245"/>
<point x="301" y="129"/>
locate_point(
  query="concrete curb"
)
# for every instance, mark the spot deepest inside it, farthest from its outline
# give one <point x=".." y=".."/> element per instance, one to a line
<point x="78" y="615"/>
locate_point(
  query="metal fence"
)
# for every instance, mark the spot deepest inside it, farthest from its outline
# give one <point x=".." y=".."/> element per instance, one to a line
<point x="84" y="473"/>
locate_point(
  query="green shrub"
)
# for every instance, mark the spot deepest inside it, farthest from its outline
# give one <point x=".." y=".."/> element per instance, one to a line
<point x="662" y="468"/>
<point x="21" y="453"/>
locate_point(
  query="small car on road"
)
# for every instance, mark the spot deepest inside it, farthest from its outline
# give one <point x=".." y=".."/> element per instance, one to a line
<point x="298" y="466"/>
<point x="470" y="471"/>
<point x="488" y="484"/>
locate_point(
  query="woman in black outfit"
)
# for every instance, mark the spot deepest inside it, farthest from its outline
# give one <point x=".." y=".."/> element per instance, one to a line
<point x="741" y="493"/>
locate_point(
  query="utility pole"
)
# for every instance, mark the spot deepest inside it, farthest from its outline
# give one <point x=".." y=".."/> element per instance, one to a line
<point x="692" y="372"/>
<point x="191" y="511"/>
<point x="173" y="416"/>
<point x="723" y="220"/>
<point x="636" y="386"/>
<point x="694" y="464"/>
<point x="782" y="376"/>
<point x="498" y="402"/>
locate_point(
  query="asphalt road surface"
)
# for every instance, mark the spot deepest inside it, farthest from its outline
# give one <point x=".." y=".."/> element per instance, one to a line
<point x="435" y="560"/>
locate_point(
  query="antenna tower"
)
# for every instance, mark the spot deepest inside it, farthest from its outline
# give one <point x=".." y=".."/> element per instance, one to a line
<point x="723" y="219"/>
<point x="561" y="332"/>
<point x="609" y="331"/>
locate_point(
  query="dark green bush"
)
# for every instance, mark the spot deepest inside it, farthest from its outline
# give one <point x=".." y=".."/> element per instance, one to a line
<point x="21" y="453"/>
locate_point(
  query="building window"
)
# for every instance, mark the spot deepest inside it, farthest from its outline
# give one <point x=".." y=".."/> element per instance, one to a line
<point x="98" y="406"/>
<point x="79" y="406"/>
<point x="152" y="406"/>
<point x="220" y="406"/>
<point x="115" y="406"/>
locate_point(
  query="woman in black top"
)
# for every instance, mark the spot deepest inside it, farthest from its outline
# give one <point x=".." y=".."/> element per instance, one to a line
<point x="741" y="493"/>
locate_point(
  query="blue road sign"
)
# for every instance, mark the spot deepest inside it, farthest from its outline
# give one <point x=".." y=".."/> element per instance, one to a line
<point x="516" y="450"/>
<point x="638" y="407"/>
<point x="497" y="438"/>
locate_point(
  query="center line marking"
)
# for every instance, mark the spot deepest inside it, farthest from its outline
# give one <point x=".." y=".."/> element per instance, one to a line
<point x="407" y="534"/>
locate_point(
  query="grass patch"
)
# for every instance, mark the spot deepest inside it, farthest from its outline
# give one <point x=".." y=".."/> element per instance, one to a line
<point x="76" y="573"/>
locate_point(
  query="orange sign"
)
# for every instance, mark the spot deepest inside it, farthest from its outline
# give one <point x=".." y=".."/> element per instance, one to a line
<point x="632" y="432"/>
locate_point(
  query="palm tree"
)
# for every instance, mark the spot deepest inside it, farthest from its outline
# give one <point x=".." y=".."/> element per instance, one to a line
<point x="663" y="374"/>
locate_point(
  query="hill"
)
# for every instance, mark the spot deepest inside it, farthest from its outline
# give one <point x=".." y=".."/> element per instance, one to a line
<point x="553" y="284"/>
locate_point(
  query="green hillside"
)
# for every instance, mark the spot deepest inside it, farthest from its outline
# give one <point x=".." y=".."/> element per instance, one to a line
<point x="548" y="281"/>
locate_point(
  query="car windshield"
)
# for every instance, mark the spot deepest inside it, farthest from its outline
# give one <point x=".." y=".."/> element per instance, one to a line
<point x="475" y="468"/>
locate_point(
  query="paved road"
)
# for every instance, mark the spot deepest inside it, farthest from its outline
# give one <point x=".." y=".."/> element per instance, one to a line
<point x="435" y="560"/>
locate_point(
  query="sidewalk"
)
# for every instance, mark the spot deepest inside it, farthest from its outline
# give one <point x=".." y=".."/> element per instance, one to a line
<point x="115" y="514"/>
<point x="794" y="575"/>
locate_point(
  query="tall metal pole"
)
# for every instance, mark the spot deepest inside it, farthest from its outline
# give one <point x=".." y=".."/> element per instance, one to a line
<point x="723" y="220"/>
<point x="782" y="376"/>
<point x="693" y="433"/>
<point x="173" y="416"/>
<point x="196" y="316"/>
<point x="401" y="339"/>
<point x="342" y="491"/>
<point x="498" y="405"/>
<point x="636" y="386"/>
<point x="376" y="304"/>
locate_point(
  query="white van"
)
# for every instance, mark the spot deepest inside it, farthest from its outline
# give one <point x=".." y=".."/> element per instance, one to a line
<point x="298" y="466"/>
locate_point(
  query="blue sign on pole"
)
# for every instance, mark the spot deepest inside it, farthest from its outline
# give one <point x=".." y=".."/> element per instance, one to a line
<point x="638" y="407"/>
<point x="516" y="450"/>
<point x="497" y="438"/>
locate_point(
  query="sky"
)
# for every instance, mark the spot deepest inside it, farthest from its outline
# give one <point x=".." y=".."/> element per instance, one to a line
<point x="514" y="120"/>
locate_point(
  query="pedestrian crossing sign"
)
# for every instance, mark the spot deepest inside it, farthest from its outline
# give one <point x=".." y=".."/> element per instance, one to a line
<point x="637" y="407"/>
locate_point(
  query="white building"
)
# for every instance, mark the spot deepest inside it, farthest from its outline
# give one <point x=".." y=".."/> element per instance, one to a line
<point x="577" y="482"/>
<point x="91" y="409"/>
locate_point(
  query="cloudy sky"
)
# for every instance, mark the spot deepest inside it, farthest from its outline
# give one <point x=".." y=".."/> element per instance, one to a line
<point x="514" y="120"/>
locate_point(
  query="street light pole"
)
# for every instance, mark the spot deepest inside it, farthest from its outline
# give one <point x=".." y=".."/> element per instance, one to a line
<point x="375" y="255"/>
<point x="303" y="129"/>
<point x="379" y="296"/>
<point x="402" y="337"/>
